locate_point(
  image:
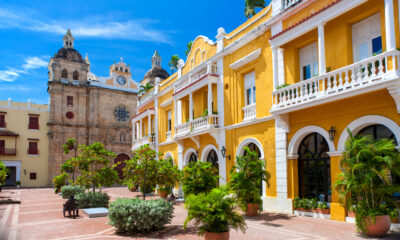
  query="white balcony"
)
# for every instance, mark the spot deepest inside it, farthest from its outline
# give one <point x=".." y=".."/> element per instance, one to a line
<point x="149" y="139"/>
<point x="197" y="126"/>
<point x="169" y="136"/>
<point x="146" y="97"/>
<point x="372" y="74"/>
<point x="289" y="3"/>
<point x="195" y="75"/>
<point x="249" y="112"/>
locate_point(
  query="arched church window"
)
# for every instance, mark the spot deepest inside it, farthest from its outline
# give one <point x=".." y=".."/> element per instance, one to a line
<point x="64" y="73"/>
<point x="75" y="75"/>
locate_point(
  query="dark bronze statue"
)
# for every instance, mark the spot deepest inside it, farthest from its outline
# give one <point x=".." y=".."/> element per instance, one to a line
<point x="71" y="205"/>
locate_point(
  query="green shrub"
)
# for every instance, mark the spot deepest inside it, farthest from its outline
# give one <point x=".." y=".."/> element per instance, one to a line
<point x="214" y="212"/>
<point x="136" y="215"/>
<point x="60" y="181"/>
<point x="69" y="190"/>
<point x="313" y="203"/>
<point x="168" y="175"/>
<point x="296" y="203"/>
<point x="323" y="205"/>
<point x="199" y="177"/>
<point x="305" y="203"/>
<point x="92" y="199"/>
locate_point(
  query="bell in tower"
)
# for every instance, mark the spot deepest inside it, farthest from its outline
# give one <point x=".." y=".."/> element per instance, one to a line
<point x="68" y="40"/>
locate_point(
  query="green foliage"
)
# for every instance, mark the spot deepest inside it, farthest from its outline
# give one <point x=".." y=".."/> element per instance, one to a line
<point x="142" y="169"/>
<point x="71" y="164"/>
<point x="145" y="88"/>
<point x="173" y="63"/>
<point x="92" y="199"/>
<point x="214" y="212"/>
<point x="3" y="173"/>
<point x="135" y="215"/>
<point x="246" y="177"/>
<point x="282" y="86"/>
<point x="199" y="177"/>
<point x="168" y="175"/>
<point x="189" y="47"/>
<point x="305" y="203"/>
<point x="251" y="5"/>
<point x="18" y="183"/>
<point x="313" y="203"/>
<point x="94" y="164"/>
<point x="368" y="169"/>
<point x="323" y="205"/>
<point x="296" y="203"/>
<point x="69" y="190"/>
<point x="60" y="181"/>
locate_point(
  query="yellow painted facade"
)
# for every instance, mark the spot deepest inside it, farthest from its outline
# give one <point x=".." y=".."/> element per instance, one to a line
<point x="243" y="70"/>
<point x="30" y="169"/>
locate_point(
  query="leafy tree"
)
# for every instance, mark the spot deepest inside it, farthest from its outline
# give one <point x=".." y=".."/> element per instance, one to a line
<point x="3" y="174"/>
<point x="71" y="164"/>
<point x="145" y="88"/>
<point x="199" y="177"/>
<point x="189" y="47"/>
<point x="168" y="175"/>
<point x="141" y="170"/>
<point x="173" y="63"/>
<point x="251" y="5"/>
<point x="368" y="169"/>
<point x="94" y="163"/>
<point x="60" y="181"/>
<point x="246" y="177"/>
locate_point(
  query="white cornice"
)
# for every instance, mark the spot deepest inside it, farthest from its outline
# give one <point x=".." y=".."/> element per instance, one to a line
<point x="166" y="103"/>
<point x="248" y="123"/>
<point x="247" y="59"/>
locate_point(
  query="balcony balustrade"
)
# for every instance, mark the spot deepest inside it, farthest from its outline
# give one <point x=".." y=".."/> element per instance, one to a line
<point x="149" y="139"/>
<point x="249" y="112"/>
<point x="195" y="76"/>
<point x="169" y="136"/>
<point x="347" y="81"/>
<point x="8" y="151"/>
<point x="146" y="97"/>
<point x="289" y="3"/>
<point x="196" y="126"/>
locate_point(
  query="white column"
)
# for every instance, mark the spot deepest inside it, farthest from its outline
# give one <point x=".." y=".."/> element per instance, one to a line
<point x="133" y="131"/>
<point x="149" y="124"/>
<point x="180" y="165"/>
<point x="179" y="112"/>
<point x="190" y="107"/>
<point x="389" y="26"/>
<point x="140" y="128"/>
<point x="210" y="98"/>
<point x="281" y="66"/>
<point x="176" y="113"/>
<point x="221" y="123"/>
<point x="18" y="172"/>
<point x="275" y="66"/>
<point x="321" y="49"/>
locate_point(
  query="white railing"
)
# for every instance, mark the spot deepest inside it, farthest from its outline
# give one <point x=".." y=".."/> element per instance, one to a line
<point x="146" y="97"/>
<point x="289" y="3"/>
<point x="249" y="112"/>
<point x="169" y="136"/>
<point x="196" y="125"/>
<point x="371" y="71"/>
<point x="194" y="76"/>
<point x="144" y="140"/>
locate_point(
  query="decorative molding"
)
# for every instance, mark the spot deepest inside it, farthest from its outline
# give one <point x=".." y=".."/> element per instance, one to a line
<point x="187" y="155"/>
<point x="247" y="141"/>
<point x="196" y="139"/>
<point x="249" y="123"/>
<point x="282" y="122"/>
<point x="292" y="157"/>
<point x="303" y="132"/>
<point x="394" y="91"/>
<point x="206" y="151"/>
<point x="247" y="59"/>
<point x="335" y="154"/>
<point x="166" y="103"/>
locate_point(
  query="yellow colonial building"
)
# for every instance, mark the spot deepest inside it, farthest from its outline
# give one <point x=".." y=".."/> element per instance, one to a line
<point x="24" y="145"/>
<point x="286" y="83"/>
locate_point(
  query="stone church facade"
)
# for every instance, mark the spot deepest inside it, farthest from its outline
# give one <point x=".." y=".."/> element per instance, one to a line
<point x="86" y="107"/>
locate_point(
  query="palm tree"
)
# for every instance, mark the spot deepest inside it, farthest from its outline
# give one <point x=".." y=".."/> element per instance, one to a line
<point x="251" y="5"/>
<point x="145" y="88"/>
<point x="189" y="47"/>
<point x="173" y="63"/>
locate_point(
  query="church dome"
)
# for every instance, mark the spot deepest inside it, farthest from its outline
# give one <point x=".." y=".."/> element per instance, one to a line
<point x="70" y="54"/>
<point x="156" y="72"/>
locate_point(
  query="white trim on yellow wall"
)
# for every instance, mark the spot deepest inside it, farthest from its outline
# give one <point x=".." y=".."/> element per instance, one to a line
<point x="303" y="132"/>
<point x="365" y="121"/>
<point x="247" y="141"/>
<point x="187" y="155"/>
<point x="247" y="59"/>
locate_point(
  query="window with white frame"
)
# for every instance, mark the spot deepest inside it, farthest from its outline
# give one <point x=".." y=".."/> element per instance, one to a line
<point x="169" y="121"/>
<point x="250" y="88"/>
<point x="366" y="38"/>
<point x="308" y="61"/>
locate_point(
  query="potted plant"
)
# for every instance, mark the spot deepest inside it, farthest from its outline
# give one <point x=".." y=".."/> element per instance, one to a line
<point x="323" y="208"/>
<point x="3" y="174"/>
<point x="314" y="205"/>
<point x="168" y="176"/>
<point x="214" y="213"/>
<point x="305" y="205"/>
<point x="246" y="179"/>
<point x="351" y="212"/>
<point x="394" y="214"/>
<point x="369" y="166"/>
<point x="18" y="183"/>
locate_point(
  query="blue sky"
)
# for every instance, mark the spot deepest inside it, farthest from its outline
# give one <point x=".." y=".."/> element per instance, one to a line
<point x="31" y="32"/>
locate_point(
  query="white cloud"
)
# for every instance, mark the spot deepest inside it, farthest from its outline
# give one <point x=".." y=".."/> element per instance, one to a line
<point x="30" y="63"/>
<point x="98" y="27"/>
<point x="18" y="88"/>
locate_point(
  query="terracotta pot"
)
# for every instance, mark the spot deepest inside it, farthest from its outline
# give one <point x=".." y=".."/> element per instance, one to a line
<point x="252" y="209"/>
<point x="304" y="210"/>
<point x="132" y="189"/>
<point x="380" y="228"/>
<point x="163" y="194"/>
<point x="394" y="220"/>
<point x="351" y="214"/>
<point x="216" y="236"/>
<point x="324" y="211"/>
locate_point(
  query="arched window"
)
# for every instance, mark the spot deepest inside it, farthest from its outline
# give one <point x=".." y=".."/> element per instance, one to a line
<point x="193" y="157"/>
<point x="212" y="158"/>
<point x="64" y="73"/>
<point x="378" y="131"/>
<point x="75" y="75"/>
<point x="126" y="70"/>
<point x="314" y="168"/>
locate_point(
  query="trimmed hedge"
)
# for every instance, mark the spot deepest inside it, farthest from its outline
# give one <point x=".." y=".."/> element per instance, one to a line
<point x="93" y="200"/>
<point x="69" y="190"/>
<point x="136" y="215"/>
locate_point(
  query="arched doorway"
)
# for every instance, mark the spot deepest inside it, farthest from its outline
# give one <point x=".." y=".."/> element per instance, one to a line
<point x="120" y="159"/>
<point x="314" y="168"/>
<point x="378" y="131"/>
<point x="254" y="148"/>
<point x="192" y="157"/>
<point x="212" y="158"/>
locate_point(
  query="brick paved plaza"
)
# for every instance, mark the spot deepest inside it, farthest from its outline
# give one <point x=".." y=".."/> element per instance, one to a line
<point x="39" y="216"/>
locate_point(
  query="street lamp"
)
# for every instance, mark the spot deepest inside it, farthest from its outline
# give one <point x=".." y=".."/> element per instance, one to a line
<point x="223" y="152"/>
<point x="332" y="133"/>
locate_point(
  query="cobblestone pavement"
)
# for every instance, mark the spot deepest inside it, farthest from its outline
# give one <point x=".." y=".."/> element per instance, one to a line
<point x="39" y="216"/>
